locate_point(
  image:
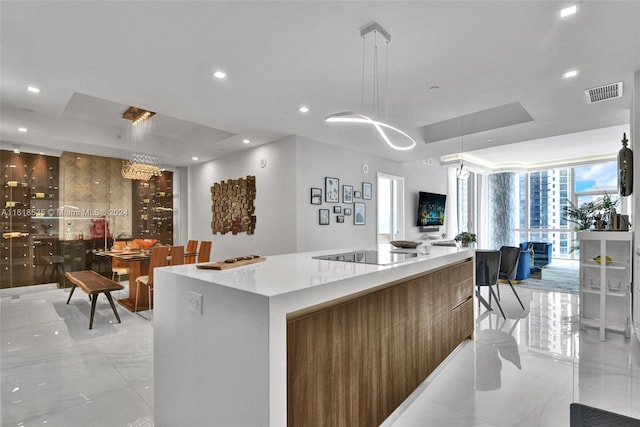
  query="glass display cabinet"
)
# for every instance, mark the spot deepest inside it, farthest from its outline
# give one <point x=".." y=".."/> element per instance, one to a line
<point x="605" y="281"/>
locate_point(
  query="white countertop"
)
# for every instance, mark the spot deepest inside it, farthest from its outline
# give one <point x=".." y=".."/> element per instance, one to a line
<point x="281" y="274"/>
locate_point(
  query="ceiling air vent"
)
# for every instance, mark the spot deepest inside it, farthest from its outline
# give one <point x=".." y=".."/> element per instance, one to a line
<point x="603" y="93"/>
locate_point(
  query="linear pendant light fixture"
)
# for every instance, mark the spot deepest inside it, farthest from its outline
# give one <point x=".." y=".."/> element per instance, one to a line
<point x="381" y="127"/>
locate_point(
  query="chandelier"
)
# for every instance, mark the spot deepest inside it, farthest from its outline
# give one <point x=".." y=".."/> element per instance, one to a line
<point x="137" y="115"/>
<point x="141" y="166"/>
<point x="390" y="134"/>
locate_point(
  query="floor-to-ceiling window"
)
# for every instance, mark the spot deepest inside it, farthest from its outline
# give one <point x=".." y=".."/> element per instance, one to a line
<point x="544" y="195"/>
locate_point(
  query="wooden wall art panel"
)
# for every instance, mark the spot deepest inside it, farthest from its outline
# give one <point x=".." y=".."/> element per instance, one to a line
<point x="233" y="206"/>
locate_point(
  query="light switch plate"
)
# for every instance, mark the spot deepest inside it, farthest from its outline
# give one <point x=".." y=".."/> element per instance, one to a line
<point x="195" y="302"/>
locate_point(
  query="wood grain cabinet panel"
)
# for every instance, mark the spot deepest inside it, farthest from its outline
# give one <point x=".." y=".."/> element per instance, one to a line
<point x="352" y="364"/>
<point x="333" y="365"/>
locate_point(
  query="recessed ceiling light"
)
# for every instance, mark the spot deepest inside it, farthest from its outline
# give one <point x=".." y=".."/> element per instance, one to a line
<point x="194" y="158"/>
<point x="489" y="140"/>
<point x="33" y="89"/>
<point x="22" y="129"/>
<point x="245" y="141"/>
<point x="219" y="74"/>
<point x="303" y="109"/>
<point x="568" y="11"/>
<point x="17" y="151"/>
<point x="570" y="74"/>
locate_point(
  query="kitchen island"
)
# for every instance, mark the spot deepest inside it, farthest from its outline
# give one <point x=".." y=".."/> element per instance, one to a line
<point x="296" y="340"/>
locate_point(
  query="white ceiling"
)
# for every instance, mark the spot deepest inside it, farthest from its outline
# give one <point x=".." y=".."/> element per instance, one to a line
<point x="94" y="59"/>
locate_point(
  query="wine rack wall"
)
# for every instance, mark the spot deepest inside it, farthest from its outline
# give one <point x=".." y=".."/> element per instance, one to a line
<point x="153" y="208"/>
<point x="29" y="220"/>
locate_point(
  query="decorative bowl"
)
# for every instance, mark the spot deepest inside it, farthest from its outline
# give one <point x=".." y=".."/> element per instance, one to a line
<point x="405" y="244"/>
<point x="145" y="244"/>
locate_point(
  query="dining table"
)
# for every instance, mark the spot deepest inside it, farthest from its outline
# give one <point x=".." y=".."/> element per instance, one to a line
<point x="137" y="262"/>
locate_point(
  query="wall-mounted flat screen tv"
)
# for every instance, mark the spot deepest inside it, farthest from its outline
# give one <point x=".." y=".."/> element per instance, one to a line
<point x="430" y="209"/>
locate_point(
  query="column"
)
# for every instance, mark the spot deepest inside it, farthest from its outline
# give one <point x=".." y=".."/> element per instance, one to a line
<point x="502" y="209"/>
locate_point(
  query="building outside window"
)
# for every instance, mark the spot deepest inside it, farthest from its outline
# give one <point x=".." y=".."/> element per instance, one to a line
<point x="543" y="196"/>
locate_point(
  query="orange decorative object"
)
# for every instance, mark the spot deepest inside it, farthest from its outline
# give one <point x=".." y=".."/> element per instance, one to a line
<point x="145" y="244"/>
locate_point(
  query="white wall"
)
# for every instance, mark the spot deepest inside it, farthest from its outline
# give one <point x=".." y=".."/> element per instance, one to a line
<point x="286" y="220"/>
<point x="430" y="178"/>
<point x="315" y="161"/>
<point x="275" y="202"/>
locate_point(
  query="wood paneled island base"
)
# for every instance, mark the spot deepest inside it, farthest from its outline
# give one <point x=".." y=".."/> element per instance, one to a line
<point x="353" y="363"/>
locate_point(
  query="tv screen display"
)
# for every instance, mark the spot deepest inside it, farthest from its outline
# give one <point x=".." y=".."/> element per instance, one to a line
<point x="430" y="209"/>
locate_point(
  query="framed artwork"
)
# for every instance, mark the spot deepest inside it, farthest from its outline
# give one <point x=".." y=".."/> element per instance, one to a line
<point x="340" y="219"/>
<point x="316" y="196"/>
<point x="337" y="209"/>
<point x="347" y="194"/>
<point x="366" y="190"/>
<point x="359" y="213"/>
<point x="323" y="218"/>
<point x="357" y="195"/>
<point x="347" y="211"/>
<point x="331" y="190"/>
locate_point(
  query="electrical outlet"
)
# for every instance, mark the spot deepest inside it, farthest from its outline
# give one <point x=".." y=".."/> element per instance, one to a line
<point x="195" y="302"/>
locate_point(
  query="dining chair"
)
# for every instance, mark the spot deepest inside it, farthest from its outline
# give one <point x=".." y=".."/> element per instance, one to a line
<point x="205" y="251"/>
<point x="159" y="256"/>
<point x="176" y="255"/>
<point x="118" y="269"/>
<point x="192" y="248"/>
<point x="487" y="272"/>
<point x="509" y="256"/>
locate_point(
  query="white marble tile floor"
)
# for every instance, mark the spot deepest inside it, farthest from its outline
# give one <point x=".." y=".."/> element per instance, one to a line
<point x="57" y="372"/>
<point x="522" y="371"/>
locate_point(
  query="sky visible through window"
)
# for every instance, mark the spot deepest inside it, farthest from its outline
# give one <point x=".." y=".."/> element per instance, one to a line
<point x="598" y="177"/>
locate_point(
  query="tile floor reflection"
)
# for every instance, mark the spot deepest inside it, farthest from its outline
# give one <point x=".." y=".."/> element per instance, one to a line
<point x="522" y="371"/>
<point x="527" y="369"/>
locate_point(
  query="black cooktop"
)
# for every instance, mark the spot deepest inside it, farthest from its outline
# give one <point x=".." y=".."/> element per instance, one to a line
<point x="371" y="257"/>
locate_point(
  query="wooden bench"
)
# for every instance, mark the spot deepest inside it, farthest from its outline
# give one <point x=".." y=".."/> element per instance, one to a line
<point x="93" y="284"/>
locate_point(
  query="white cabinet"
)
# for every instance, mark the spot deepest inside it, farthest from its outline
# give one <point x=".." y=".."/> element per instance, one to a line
<point x="605" y="280"/>
<point x="636" y="295"/>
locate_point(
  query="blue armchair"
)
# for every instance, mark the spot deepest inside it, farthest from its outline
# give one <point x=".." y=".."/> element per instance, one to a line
<point x="524" y="266"/>
<point x="541" y="252"/>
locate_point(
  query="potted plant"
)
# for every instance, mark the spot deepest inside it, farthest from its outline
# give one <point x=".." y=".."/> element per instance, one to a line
<point x="582" y="216"/>
<point x="607" y="207"/>
<point x="465" y="238"/>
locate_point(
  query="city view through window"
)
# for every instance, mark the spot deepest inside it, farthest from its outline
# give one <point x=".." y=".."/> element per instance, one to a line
<point x="543" y="196"/>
